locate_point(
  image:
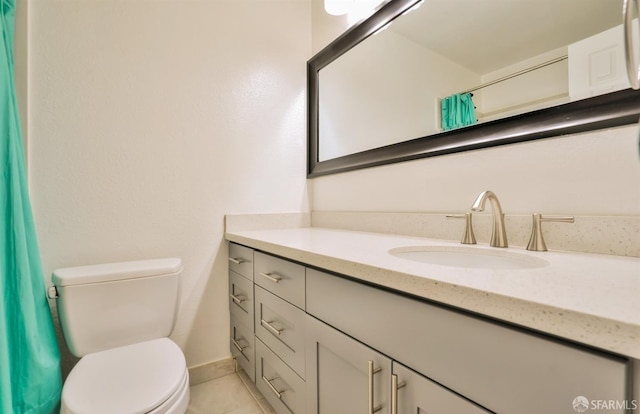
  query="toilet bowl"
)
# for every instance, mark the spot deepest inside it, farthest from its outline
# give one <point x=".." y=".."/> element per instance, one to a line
<point x="117" y="318"/>
<point x="149" y="377"/>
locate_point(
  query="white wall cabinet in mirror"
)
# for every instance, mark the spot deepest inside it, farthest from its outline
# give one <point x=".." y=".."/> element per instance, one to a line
<point x="535" y="69"/>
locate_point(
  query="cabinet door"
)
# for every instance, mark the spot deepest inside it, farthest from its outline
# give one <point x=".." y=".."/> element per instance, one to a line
<point x="343" y="375"/>
<point x="419" y="395"/>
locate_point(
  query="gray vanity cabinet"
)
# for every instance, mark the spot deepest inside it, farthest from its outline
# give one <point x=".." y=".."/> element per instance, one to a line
<point x="320" y="343"/>
<point x="344" y="376"/>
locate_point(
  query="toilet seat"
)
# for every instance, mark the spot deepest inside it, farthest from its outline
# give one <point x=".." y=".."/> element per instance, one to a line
<point x="142" y="378"/>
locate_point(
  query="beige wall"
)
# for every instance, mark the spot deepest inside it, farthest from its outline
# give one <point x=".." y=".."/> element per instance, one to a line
<point x="585" y="174"/>
<point x="150" y="120"/>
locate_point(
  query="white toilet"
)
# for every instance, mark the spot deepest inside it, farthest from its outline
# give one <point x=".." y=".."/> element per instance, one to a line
<point x="117" y="317"/>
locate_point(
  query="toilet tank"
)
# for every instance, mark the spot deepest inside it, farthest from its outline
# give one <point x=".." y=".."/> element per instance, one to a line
<point x="109" y="305"/>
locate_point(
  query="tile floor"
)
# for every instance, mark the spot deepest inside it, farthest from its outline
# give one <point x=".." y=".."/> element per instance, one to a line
<point x="230" y="394"/>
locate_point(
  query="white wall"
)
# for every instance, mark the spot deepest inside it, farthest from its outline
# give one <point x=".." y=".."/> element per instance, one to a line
<point x="150" y="120"/>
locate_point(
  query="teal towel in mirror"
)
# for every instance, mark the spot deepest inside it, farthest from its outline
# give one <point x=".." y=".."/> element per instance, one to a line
<point x="457" y="111"/>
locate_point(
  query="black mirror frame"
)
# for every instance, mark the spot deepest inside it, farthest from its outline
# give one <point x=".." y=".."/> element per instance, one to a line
<point x="603" y="111"/>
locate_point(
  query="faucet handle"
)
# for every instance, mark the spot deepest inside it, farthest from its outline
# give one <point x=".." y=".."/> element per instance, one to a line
<point x="536" y="242"/>
<point x="469" y="237"/>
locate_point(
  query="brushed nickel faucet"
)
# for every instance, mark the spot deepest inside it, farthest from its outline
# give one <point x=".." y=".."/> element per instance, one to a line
<point x="536" y="242"/>
<point x="469" y="237"/>
<point x="499" y="234"/>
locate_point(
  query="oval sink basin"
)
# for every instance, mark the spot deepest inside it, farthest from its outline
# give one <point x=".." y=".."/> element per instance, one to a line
<point x="468" y="257"/>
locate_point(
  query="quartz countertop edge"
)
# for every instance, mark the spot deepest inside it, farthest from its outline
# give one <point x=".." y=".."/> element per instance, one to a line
<point x="587" y="298"/>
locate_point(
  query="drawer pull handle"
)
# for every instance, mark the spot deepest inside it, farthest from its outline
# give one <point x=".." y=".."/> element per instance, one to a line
<point x="394" y="393"/>
<point x="237" y="299"/>
<point x="271" y="327"/>
<point x="274" y="279"/>
<point x="372" y="372"/>
<point x="236" y="261"/>
<point x="237" y="345"/>
<point x="275" y="391"/>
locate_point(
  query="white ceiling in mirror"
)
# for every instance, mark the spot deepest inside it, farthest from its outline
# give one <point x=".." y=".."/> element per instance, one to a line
<point x="500" y="28"/>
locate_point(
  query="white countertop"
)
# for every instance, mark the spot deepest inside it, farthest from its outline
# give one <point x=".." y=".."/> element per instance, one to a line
<point x="589" y="298"/>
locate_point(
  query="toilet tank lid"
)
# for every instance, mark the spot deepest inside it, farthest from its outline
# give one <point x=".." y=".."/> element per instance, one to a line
<point x="109" y="272"/>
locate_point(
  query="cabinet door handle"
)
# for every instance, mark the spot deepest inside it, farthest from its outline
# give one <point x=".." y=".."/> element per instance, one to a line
<point x="372" y="372"/>
<point x="269" y="276"/>
<point x="237" y="345"/>
<point x="236" y="261"/>
<point x="237" y="299"/>
<point x="270" y="327"/>
<point x="633" y="70"/>
<point x="274" y="389"/>
<point x="394" y="393"/>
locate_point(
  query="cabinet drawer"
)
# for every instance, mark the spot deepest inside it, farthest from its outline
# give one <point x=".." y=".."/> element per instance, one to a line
<point x="284" y="390"/>
<point x="241" y="298"/>
<point x="502" y="368"/>
<point x="280" y="326"/>
<point x="281" y="277"/>
<point x="243" y="347"/>
<point x="241" y="260"/>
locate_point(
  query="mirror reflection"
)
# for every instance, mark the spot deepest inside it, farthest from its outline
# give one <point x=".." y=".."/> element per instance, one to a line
<point x="453" y="64"/>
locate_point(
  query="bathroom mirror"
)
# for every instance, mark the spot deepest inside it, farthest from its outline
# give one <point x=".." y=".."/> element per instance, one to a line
<point x="535" y="68"/>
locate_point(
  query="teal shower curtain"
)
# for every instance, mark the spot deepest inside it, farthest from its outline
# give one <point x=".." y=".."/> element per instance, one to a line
<point x="30" y="380"/>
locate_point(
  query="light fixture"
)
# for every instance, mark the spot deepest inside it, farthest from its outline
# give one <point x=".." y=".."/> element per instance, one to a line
<point x="351" y="7"/>
<point x="338" y="7"/>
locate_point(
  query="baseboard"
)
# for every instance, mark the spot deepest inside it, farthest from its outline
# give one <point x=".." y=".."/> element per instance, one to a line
<point x="210" y="371"/>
